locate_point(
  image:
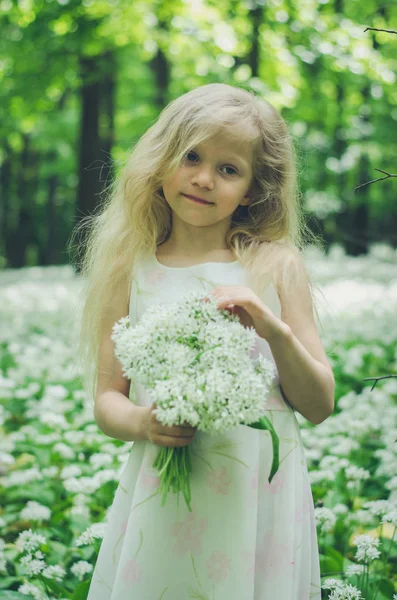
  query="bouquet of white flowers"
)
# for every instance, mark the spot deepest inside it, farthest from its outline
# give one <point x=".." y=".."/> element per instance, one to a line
<point x="195" y="361"/>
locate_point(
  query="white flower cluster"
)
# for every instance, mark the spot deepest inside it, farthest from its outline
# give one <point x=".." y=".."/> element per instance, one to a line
<point x="195" y="360"/>
<point x="341" y="591"/>
<point x="366" y="548"/>
<point x="81" y="568"/>
<point x="96" y="531"/>
<point x="28" y="541"/>
<point x="34" y="511"/>
<point x="325" y="518"/>
<point x="3" y="560"/>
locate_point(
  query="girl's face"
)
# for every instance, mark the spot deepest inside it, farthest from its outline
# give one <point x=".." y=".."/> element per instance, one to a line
<point x="216" y="171"/>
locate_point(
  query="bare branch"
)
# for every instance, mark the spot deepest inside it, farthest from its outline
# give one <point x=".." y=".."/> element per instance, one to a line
<point x="375" y="180"/>
<point x="375" y="29"/>
<point x="377" y="379"/>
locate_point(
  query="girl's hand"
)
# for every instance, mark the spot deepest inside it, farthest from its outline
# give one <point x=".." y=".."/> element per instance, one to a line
<point x="243" y="302"/>
<point x="162" y="435"/>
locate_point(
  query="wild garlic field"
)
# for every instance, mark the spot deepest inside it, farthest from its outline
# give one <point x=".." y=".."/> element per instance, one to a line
<point x="59" y="472"/>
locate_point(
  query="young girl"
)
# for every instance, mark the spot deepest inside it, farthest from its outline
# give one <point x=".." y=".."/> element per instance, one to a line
<point x="208" y="201"/>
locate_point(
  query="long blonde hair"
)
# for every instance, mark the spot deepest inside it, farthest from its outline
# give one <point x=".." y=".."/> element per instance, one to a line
<point x="267" y="236"/>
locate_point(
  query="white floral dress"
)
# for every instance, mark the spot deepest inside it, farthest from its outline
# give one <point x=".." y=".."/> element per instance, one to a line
<point x="246" y="539"/>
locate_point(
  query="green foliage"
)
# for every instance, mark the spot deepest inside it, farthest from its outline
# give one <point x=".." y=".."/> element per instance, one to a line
<point x="333" y="82"/>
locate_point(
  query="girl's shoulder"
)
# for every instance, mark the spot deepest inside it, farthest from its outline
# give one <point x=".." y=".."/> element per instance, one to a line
<point x="283" y="263"/>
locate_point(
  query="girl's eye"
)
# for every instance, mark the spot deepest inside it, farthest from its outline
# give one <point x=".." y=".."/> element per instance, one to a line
<point x="234" y="170"/>
<point x="195" y="155"/>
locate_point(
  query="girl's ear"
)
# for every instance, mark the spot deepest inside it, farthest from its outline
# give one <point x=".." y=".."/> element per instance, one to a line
<point x="246" y="201"/>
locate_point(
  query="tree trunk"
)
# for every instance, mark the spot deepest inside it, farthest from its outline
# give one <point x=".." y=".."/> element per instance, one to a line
<point x="89" y="186"/>
<point x="18" y="236"/>
<point x="49" y="249"/>
<point x="5" y="204"/>
<point x="107" y="120"/>
<point x="256" y="16"/>
<point x="161" y="71"/>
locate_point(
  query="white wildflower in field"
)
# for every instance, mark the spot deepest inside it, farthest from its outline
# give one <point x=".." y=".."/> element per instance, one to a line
<point x="100" y="459"/>
<point x="340" y="509"/>
<point x="352" y="570"/>
<point x="21" y="477"/>
<point x="28" y="589"/>
<point x="34" y="511"/>
<point x="3" y="563"/>
<point x="82" y="511"/>
<point x="360" y="516"/>
<point x="81" y="499"/>
<point x="81" y="568"/>
<point x="70" y="471"/>
<point x="54" y="572"/>
<point x="74" y="437"/>
<point x="53" y="420"/>
<point x="33" y="566"/>
<point x="3" y="560"/>
<point x="366" y="548"/>
<point x="6" y="459"/>
<point x="104" y="476"/>
<point x="378" y="508"/>
<point x="390" y="517"/>
<point x="96" y="531"/>
<point x="83" y="484"/>
<point x="47" y="439"/>
<point x="356" y="475"/>
<point x="341" y="591"/>
<point x="28" y="541"/>
<point x="392" y="483"/>
<point x="64" y="450"/>
<point x="325" y="518"/>
<point x="50" y="472"/>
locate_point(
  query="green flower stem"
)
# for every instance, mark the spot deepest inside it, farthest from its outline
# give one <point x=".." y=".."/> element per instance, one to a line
<point x="265" y="424"/>
<point x="175" y="465"/>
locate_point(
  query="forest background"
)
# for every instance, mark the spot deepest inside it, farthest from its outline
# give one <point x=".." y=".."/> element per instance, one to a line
<point x="80" y="82"/>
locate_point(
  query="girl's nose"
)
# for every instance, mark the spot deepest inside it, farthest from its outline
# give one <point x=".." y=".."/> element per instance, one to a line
<point x="203" y="176"/>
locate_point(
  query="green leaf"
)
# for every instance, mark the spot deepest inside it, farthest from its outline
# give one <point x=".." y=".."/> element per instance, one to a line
<point x="336" y="556"/>
<point x="56" y="587"/>
<point x="386" y="587"/>
<point x="81" y="592"/>
<point x="7" y="582"/>
<point x="329" y="565"/>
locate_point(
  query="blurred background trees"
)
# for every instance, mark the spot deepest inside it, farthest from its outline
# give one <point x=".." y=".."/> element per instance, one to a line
<point x="81" y="80"/>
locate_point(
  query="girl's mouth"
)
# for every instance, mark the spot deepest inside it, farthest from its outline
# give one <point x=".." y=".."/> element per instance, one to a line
<point x="198" y="201"/>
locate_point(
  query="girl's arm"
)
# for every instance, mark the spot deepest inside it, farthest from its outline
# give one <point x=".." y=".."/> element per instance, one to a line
<point x="114" y="412"/>
<point x="306" y="377"/>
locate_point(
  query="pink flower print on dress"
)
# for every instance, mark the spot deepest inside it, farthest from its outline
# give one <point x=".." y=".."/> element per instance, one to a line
<point x="147" y="480"/>
<point x="273" y="556"/>
<point x="276" y="484"/>
<point x="275" y="402"/>
<point x="188" y="534"/>
<point x="304" y="509"/>
<point x="218" y="566"/>
<point x="131" y="572"/>
<point x="154" y="276"/>
<point x="219" y="481"/>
